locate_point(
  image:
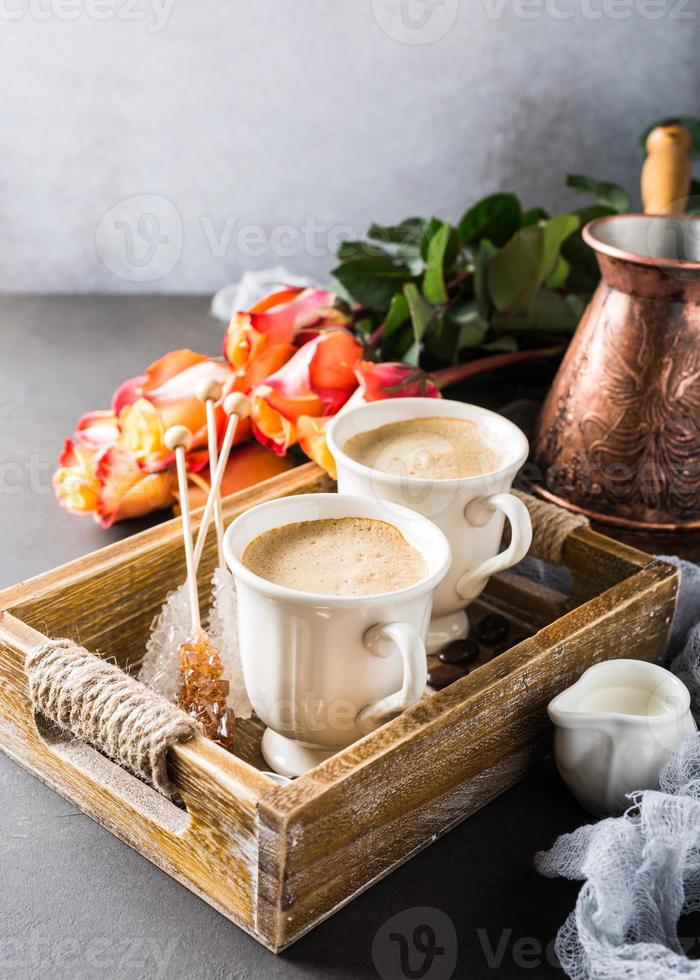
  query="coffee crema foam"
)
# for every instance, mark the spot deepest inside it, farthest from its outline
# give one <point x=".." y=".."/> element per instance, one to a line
<point x="348" y="556"/>
<point x="427" y="448"/>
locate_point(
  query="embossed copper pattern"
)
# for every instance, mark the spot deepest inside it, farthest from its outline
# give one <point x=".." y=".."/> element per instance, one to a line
<point x="618" y="437"/>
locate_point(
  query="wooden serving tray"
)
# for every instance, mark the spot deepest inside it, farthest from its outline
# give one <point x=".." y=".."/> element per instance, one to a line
<point x="278" y="860"/>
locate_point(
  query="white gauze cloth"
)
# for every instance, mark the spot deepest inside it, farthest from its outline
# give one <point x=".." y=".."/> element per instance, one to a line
<point x="641" y="871"/>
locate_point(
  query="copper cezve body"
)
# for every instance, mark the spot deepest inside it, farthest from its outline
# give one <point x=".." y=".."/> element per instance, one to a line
<point x="619" y="433"/>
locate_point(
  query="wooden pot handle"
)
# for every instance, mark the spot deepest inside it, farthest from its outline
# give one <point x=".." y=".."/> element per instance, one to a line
<point x="666" y="171"/>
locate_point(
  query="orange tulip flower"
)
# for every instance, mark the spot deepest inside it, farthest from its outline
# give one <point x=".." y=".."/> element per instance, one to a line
<point x="316" y="381"/>
<point x="278" y="323"/>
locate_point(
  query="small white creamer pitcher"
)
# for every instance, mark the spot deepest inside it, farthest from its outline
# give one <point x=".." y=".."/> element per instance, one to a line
<point x="616" y="728"/>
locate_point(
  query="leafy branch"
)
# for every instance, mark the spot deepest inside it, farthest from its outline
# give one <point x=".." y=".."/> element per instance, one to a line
<point x="501" y="280"/>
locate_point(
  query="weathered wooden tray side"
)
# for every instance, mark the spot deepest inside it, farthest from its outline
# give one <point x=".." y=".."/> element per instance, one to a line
<point x="278" y="860"/>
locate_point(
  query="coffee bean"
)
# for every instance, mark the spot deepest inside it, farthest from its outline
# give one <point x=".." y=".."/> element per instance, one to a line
<point x="502" y="649"/>
<point x="492" y="629"/>
<point x="459" y="652"/>
<point x="444" y="674"/>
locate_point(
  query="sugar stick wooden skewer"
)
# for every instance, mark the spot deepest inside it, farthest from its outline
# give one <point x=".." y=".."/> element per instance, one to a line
<point x="179" y="439"/>
<point x="209" y="392"/>
<point x="236" y="407"/>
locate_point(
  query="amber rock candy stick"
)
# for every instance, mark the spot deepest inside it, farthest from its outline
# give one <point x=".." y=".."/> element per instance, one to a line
<point x="202" y="689"/>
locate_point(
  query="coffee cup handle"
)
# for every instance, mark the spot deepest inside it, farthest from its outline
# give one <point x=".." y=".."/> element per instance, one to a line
<point x="477" y="513"/>
<point x="381" y="641"/>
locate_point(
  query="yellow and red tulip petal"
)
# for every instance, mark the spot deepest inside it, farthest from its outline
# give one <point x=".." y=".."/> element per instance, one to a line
<point x="75" y="481"/>
<point x="273" y="416"/>
<point x="282" y="319"/>
<point x="155" y="375"/>
<point x="250" y="331"/>
<point x="242" y="344"/>
<point x="270" y="360"/>
<point x="176" y="398"/>
<point x="279" y="298"/>
<point x="323" y="367"/>
<point x="98" y="429"/>
<point x="312" y="439"/>
<point x="143" y="432"/>
<point x="394" y="380"/>
<point x="247" y="465"/>
<point x="174" y="402"/>
<point x="278" y="319"/>
<point x="316" y="381"/>
<point x="143" y="436"/>
<point x="336" y="353"/>
<point x="126" y="490"/>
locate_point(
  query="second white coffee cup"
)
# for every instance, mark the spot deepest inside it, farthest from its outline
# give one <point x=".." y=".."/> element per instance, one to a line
<point x="470" y="510"/>
<point x="321" y="671"/>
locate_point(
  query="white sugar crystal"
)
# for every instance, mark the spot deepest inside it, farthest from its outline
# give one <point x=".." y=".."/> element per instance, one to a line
<point x="223" y="631"/>
<point x="169" y="629"/>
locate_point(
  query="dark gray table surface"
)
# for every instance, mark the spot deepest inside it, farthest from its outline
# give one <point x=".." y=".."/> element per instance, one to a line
<point x="74" y="901"/>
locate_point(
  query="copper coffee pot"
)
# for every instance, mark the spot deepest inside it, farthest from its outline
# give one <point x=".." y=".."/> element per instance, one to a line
<point x="618" y="437"/>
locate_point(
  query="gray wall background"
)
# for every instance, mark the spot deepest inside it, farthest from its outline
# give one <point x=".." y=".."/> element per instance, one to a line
<point x="168" y="145"/>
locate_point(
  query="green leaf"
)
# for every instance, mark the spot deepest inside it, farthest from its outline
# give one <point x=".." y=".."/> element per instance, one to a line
<point x="359" y="250"/>
<point x="607" y="194"/>
<point x="405" y="240"/>
<point x="465" y="312"/>
<point x="584" y="274"/>
<point x="372" y="281"/>
<point x="441" y="251"/>
<point x="558" y="277"/>
<point x="496" y="217"/>
<point x="533" y="216"/>
<point x="473" y="327"/>
<point x="412" y="355"/>
<point x="691" y="123"/>
<point x="547" y="312"/>
<point x="442" y="339"/>
<point x="517" y="271"/>
<point x="398" y="314"/>
<point x="432" y="226"/>
<point x="422" y="313"/>
<point x="409" y="232"/>
<point x="485" y="253"/>
<point x="472" y="334"/>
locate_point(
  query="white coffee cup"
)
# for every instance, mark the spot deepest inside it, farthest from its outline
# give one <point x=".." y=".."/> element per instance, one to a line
<point x="321" y="671"/>
<point x="470" y="510"/>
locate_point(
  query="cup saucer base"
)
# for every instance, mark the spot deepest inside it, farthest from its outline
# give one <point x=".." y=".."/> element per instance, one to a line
<point x="445" y="629"/>
<point x="290" y="758"/>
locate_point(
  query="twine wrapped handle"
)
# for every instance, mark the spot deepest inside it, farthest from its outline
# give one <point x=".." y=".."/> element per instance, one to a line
<point x="96" y="701"/>
<point x="551" y="526"/>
